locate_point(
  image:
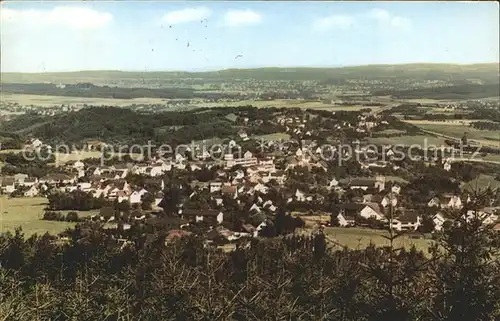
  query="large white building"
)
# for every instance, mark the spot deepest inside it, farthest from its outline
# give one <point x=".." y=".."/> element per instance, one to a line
<point x="246" y="161"/>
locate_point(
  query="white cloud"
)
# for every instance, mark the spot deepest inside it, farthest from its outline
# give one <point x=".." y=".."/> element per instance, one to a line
<point x="235" y="18"/>
<point x="385" y="17"/>
<point x="186" y="15"/>
<point x="334" y="21"/>
<point x="380" y="14"/>
<point x="66" y="16"/>
<point x="400" y="22"/>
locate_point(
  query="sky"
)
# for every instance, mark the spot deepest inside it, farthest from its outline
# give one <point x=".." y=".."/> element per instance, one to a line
<point x="54" y="36"/>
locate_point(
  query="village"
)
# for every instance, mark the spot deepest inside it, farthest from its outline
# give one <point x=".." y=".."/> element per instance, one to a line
<point x="232" y="192"/>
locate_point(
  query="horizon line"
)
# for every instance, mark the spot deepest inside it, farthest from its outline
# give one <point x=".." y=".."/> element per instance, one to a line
<point x="252" y="67"/>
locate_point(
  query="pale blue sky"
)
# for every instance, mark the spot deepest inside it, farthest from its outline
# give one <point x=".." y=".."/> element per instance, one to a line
<point x="126" y="35"/>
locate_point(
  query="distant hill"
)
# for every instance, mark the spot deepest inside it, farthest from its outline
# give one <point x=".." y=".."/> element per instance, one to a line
<point x="487" y="72"/>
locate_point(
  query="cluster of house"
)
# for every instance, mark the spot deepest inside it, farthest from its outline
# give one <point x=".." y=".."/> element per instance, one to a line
<point x="377" y="206"/>
<point x="384" y="209"/>
<point x="255" y="175"/>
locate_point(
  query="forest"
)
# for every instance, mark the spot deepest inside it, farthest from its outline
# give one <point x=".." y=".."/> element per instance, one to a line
<point x="153" y="276"/>
<point x="123" y="126"/>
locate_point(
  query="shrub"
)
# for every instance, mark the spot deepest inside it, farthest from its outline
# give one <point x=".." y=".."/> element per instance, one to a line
<point x="72" y="217"/>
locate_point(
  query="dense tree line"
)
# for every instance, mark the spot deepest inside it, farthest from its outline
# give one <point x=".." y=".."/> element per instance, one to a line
<point x="486" y="125"/>
<point x="56" y="216"/>
<point x="76" y="200"/>
<point x="124" y="126"/>
<point x="92" y="277"/>
<point x="34" y="164"/>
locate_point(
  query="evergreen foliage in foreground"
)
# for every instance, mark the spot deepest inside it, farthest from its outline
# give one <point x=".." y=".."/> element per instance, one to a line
<point x="294" y="278"/>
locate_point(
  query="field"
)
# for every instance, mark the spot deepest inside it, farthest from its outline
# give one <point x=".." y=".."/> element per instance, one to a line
<point x="457" y="128"/>
<point x="482" y="136"/>
<point x="27" y="213"/>
<point x="451" y="122"/>
<point x="492" y="157"/>
<point x="49" y="101"/>
<point x="275" y="136"/>
<point x="62" y="158"/>
<point x="391" y="131"/>
<point x="420" y="140"/>
<point x="483" y="181"/>
<point x="355" y="238"/>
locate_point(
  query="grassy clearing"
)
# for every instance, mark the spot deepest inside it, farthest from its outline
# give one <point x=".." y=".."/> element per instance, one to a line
<point x="390" y="132"/>
<point x="7" y="151"/>
<point x="482" y="182"/>
<point x="355" y="238"/>
<point x="359" y="237"/>
<point x="27" y="213"/>
<point x="62" y="158"/>
<point x="492" y="157"/>
<point x="459" y="130"/>
<point x="396" y="179"/>
<point x="275" y="136"/>
<point x="232" y="117"/>
<point x="450" y="122"/>
<point x="421" y="140"/>
<point x="423" y="101"/>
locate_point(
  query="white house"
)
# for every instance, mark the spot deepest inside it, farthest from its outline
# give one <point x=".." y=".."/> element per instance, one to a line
<point x="300" y="196"/>
<point x="261" y="188"/>
<point x="396" y="189"/>
<point x="486" y="215"/>
<point x="232" y="143"/>
<point x="195" y="167"/>
<point x="32" y="192"/>
<point x="135" y="198"/>
<point x="154" y="171"/>
<point x="78" y="165"/>
<point x="121" y="196"/>
<point x="158" y="198"/>
<point x="36" y="143"/>
<point x="389" y="199"/>
<point x="215" y="186"/>
<point x="179" y="158"/>
<point x="438" y="220"/>
<point x="259" y="228"/>
<point x="408" y="220"/>
<point x="243" y="136"/>
<point x="452" y="202"/>
<point x="254" y="207"/>
<point x="372" y="211"/>
<point x="346" y="220"/>
<point x="447" y="165"/>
